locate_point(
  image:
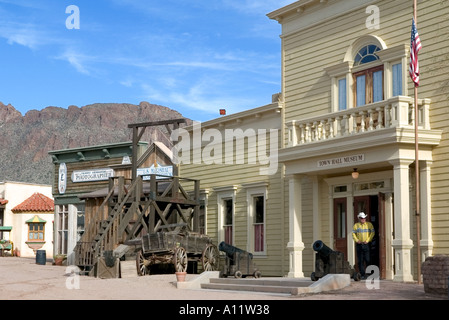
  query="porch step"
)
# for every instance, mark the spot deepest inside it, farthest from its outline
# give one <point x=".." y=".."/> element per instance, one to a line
<point x="266" y="285"/>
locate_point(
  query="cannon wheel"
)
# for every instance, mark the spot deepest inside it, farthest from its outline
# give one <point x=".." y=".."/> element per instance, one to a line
<point x="180" y="259"/>
<point x="238" y="274"/>
<point x="257" y="274"/>
<point x="210" y="258"/>
<point x="142" y="264"/>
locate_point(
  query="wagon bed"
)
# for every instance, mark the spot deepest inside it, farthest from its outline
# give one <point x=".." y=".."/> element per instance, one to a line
<point x="177" y="249"/>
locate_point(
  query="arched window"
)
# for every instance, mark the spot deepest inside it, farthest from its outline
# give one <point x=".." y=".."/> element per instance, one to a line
<point x="368" y="82"/>
<point x="366" y="54"/>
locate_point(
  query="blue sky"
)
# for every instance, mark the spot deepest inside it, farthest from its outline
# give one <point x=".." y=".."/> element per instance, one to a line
<point x="193" y="56"/>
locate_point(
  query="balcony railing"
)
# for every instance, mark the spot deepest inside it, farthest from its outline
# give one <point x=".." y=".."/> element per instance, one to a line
<point x="394" y="112"/>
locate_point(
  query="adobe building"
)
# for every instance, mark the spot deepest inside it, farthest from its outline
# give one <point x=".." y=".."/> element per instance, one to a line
<point x="26" y="217"/>
<point x="33" y="225"/>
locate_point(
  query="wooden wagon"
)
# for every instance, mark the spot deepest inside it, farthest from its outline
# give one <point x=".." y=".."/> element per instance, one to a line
<point x="177" y="249"/>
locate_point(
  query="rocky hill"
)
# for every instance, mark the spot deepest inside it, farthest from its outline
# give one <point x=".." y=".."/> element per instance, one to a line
<point x="26" y="140"/>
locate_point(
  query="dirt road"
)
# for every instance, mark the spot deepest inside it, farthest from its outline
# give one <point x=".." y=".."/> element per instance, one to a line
<point x="23" y="279"/>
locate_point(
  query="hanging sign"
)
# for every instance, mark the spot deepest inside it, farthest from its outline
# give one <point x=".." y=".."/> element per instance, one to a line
<point x="161" y="170"/>
<point x="62" y="180"/>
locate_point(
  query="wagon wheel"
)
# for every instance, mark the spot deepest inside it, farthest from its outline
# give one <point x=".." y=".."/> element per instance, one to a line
<point x="180" y="259"/>
<point x="211" y="258"/>
<point x="143" y="265"/>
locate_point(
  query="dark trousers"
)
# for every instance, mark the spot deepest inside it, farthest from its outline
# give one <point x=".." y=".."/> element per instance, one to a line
<point x="363" y="257"/>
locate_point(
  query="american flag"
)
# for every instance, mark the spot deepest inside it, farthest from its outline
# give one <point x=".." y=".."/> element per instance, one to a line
<point x="415" y="46"/>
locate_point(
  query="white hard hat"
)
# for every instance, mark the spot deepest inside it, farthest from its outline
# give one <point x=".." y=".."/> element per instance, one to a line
<point x="362" y="215"/>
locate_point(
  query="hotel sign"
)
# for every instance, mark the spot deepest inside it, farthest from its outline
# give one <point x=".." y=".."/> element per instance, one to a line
<point x="92" y="175"/>
<point x="341" y="160"/>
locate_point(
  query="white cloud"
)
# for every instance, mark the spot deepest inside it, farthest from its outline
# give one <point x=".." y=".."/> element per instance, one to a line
<point x="20" y="24"/>
<point x="127" y="82"/>
<point x="78" y="60"/>
<point x="207" y="95"/>
<point x="22" y="34"/>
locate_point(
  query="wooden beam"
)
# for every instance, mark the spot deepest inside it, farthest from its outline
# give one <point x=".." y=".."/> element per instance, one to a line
<point x="156" y="123"/>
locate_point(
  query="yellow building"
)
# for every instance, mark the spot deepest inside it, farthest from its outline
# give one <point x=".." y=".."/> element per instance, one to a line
<point x="349" y="106"/>
<point x="235" y="158"/>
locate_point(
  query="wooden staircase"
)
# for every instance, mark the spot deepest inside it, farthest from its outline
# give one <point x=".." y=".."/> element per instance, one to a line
<point x="103" y="234"/>
<point x="149" y="211"/>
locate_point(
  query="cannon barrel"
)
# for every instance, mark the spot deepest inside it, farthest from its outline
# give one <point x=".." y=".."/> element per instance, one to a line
<point x="322" y="249"/>
<point x="330" y="261"/>
<point x="230" y="249"/>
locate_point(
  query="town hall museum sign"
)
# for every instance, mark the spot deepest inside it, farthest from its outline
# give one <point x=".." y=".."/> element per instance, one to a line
<point x="341" y="160"/>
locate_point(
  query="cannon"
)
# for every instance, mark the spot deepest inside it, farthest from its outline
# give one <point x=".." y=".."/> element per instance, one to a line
<point x="239" y="263"/>
<point x="330" y="261"/>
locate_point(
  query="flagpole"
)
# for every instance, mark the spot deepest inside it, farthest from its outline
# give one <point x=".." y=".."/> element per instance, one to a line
<point x="417" y="186"/>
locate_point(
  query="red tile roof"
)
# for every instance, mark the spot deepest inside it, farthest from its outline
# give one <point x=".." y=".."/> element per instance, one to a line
<point x="37" y="202"/>
<point x="3" y="201"/>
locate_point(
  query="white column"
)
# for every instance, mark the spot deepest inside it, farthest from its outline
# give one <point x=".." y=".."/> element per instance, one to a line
<point x="389" y="256"/>
<point x="316" y="233"/>
<point x="402" y="243"/>
<point x="292" y="134"/>
<point x="426" y="211"/>
<point x="72" y="229"/>
<point x="295" y="245"/>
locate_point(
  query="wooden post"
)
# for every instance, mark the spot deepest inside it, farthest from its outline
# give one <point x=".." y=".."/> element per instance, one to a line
<point x="134" y="154"/>
<point x="196" y="210"/>
<point x="153" y="190"/>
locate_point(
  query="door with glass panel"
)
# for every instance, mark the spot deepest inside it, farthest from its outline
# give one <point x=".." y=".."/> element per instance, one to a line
<point x="340" y="229"/>
<point x="228" y="216"/>
<point x="369" y="86"/>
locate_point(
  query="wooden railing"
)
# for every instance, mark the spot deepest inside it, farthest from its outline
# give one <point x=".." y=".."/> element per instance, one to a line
<point x="84" y="253"/>
<point x="395" y="112"/>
